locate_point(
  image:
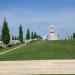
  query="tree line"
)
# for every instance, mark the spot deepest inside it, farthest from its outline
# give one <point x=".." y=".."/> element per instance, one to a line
<point x="5" y="34"/>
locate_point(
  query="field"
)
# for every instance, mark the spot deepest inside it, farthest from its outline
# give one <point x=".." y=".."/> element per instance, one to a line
<point x="44" y="50"/>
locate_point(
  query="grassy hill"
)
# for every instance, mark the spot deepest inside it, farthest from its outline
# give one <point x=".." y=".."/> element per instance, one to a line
<point x="43" y="50"/>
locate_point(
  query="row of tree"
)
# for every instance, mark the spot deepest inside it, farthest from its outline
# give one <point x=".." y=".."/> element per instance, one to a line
<point x="33" y="35"/>
<point x="5" y="34"/>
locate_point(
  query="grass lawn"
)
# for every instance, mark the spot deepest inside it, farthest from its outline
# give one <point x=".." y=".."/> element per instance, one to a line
<point x="43" y="50"/>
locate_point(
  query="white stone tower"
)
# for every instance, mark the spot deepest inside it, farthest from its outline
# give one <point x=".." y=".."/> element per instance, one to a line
<point x="53" y="34"/>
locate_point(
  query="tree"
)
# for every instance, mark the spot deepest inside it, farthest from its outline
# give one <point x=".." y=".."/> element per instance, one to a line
<point x="32" y="35"/>
<point x="13" y="38"/>
<point x="17" y="38"/>
<point x="74" y="35"/>
<point x="5" y="33"/>
<point x="20" y="33"/>
<point x="35" y="35"/>
<point x="28" y="35"/>
<point x="0" y="38"/>
<point x="39" y="37"/>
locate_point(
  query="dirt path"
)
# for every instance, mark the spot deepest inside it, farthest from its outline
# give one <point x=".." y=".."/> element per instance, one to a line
<point x="37" y="67"/>
<point x="12" y="49"/>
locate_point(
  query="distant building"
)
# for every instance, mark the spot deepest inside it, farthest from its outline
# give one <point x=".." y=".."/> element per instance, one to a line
<point x="69" y="37"/>
<point x="1" y="44"/>
<point x="13" y="42"/>
<point x="53" y="33"/>
<point x="44" y="37"/>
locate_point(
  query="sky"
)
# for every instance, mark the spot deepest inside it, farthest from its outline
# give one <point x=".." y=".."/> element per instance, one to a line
<point x="38" y="16"/>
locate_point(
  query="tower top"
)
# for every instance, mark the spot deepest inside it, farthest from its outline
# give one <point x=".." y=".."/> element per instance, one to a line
<point x="53" y="33"/>
<point x="52" y="30"/>
<point x="52" y="26"/>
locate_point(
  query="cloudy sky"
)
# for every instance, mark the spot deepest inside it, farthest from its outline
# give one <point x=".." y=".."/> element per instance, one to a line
<point x="38" y="15"/>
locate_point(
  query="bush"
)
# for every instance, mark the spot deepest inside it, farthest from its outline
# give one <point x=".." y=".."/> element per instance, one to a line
<point x="0" y="46"/>
<point x="9" y="45"/>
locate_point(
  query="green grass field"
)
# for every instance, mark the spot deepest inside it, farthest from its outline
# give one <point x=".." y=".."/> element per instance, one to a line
<point x="43" y="50"/>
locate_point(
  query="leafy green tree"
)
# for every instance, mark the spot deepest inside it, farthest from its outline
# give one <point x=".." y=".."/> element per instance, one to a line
<point x="13" y="38"/>
<point x="32" y="35"/>
<point x="28" y="35"/>
<point x="0" y="38"/>
<point x="17" y="38"/>
<point x="5" y="35"/>
<point x="74" y="35"/>
<point x="35" y="35"/>
<point x="20" y="33"/>
<point x="39" y="37"/>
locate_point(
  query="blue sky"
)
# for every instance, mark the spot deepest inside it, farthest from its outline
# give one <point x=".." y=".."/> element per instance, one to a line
<point x="38" y="15"/>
